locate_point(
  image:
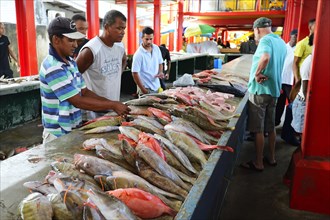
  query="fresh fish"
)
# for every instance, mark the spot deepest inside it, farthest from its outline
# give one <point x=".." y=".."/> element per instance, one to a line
<point x="152" y="143"/>
<point x="177" y="152"/>
<point x="69" y="169"/>
<point x="173" y="162"/>
<point x="98" y="119"/>
<point x="94" y="166"/>
<point x="188" y="146"/>
<point x="146" y="126"/>
<point x="59" y="208"/>
<point x="102" y="129"/>
<point x="114" y="158"/>
<point x="152" y="121"/>
<point x="224" y="88"/>
<point x="91" y="212"/>
<point x="130" y="141"/>
<point x="122" y="179"/>
<point x="128" y="152"/>
<point x="206" y="147"/>
<point x="130" y="132"/>
<point x="148" y="101"/>
<point x="162" y="116"/>
<point x="36" y="207"/>
<point x="217" y="115"/>
<point x="73" y="202"/>
<point x="149" y="174"/>
<point x="159" y="165"/>
<point x="102" y="181"/>
<point x="110" y="206"/>
<point x="139" y="110"/>
<point x="113" y="121"/>
<point x="37" y="186"/>
<point x="143" y="204"/>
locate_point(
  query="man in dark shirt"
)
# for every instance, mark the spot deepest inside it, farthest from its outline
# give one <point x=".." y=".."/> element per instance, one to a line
<point x="166" y="56"/>
<point x="82" y="26"/>
<point x="6" y="54"/>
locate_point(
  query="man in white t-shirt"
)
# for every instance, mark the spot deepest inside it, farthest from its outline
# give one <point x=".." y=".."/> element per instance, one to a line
<point x="287" y="77"/>
<point x="102" y="61"/>
<point x="147" y="66"/>
<point x="299" y="103"/>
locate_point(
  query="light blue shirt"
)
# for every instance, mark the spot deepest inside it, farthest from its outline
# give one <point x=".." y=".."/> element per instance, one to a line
<point x="276" y="48"/>
<point x="146" y="64"/>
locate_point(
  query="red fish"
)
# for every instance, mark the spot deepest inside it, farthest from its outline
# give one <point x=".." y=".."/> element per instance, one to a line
<point x="152" y="143"/>
<point x="143" y="204"/>
<point x="206" y="147"/>
<point x="129" y="140"/>
<point x="160" y="114"/>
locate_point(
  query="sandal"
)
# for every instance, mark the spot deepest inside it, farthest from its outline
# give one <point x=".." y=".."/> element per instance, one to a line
<point x="250" y="165"/>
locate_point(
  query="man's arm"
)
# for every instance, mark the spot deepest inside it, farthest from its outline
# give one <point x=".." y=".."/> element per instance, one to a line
<point x="84" y="59"/>
<point x="304" y="88"/>
<point x="167" y="75"/>
<point x="12" y="55"/>
<point x="295" y="68"/>
<point x="124" y="62"/>
<point x="138" y="82"/>
<point x="90" y="101"/>
<point x="264" y="60"/>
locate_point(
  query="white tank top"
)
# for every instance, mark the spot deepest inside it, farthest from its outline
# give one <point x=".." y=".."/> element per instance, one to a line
<point x="104" y="76"/>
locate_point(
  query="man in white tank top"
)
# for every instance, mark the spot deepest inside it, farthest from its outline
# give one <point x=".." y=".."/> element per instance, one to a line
<point x="102" y="61"/>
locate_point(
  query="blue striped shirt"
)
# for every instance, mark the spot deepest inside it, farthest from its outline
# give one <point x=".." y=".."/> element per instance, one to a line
<point x="59" y="81"/>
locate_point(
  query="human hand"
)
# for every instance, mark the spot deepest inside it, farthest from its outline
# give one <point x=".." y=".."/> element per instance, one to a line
<point x="121" y="109"/>
<point x="260" y="78"/>
<point x="160" y="75"/>
<point x="167" y="76"/>
<point x="18" y="68"/>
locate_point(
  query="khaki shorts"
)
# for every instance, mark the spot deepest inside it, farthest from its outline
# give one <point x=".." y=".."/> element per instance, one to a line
<point x="261" y="113"/>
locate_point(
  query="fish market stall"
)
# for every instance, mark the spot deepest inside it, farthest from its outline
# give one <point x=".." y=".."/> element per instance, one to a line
<point x="205" y="196"/>
<point x="20" y="101"/>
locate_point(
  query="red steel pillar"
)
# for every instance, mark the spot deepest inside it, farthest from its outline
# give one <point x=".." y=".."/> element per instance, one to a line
<point x="288" y="20"/>
<point x="157" y="22"/>
<point x="171" y="34"/>
<point x="307" y="12"/>
<point x="311" y="181"/>
<point x="180" y="26"/>
<point x="26" y="36"/>
<point x="131" y="30"/>
<point x="93" y="18"/>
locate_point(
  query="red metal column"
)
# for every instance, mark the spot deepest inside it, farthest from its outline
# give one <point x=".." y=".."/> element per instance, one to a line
<point x="93" y="18"/>
<point x="171" y="35"/>
<point x="311" y="181"/>
<point x="157" y="22"/>
<point x="26" y="36"/>
<point x="307" y="12"/>
<point x="288" y="21"/>
<point x="131" y="23"/>
<point x="180" y="23"/>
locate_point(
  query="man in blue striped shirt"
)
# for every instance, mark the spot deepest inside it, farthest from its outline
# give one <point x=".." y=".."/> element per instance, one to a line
<point x="63" y="90"/>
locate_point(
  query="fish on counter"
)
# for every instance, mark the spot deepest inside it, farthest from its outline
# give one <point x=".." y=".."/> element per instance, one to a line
<point x="36" y="207"/>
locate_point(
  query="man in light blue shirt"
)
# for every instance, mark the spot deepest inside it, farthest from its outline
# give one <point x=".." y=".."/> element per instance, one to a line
<point x="264" y="88"/>
<point x="147" y="66"/>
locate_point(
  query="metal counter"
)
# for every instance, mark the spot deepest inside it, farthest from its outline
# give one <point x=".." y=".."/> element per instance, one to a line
<point x="204" y="200"/>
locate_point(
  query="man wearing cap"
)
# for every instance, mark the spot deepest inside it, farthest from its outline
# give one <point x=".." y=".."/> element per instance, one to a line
<point x="63" y="90"/>
<point x="264" y="88"/>
<point x="287" y="77"/>
<point x="102" y="60"/>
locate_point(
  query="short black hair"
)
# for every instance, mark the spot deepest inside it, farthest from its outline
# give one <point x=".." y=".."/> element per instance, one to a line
<point x="147" y="30"/>
<point x="110" y="17"/>
<point x="311" y="40"/>
<point x="311" y="21"/>
<point x="163" y="45"/>
<point x="78" y="17"/>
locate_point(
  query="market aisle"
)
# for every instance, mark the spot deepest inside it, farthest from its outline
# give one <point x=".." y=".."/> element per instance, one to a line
<point x="255" y="195"/>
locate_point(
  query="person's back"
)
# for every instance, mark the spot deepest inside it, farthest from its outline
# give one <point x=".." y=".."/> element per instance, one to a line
<point x="276" y="48"/>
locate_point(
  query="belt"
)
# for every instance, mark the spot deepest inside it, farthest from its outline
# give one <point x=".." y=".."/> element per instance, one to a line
<point x="302" y="99"/>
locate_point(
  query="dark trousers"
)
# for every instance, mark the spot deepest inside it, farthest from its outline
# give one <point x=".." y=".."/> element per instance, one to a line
<point x="162" y="83"/>
<point x="286" y="89"/>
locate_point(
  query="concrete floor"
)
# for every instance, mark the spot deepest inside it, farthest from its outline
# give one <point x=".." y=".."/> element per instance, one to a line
<point x="251" y="195"/>
<point x="255" y="195"/>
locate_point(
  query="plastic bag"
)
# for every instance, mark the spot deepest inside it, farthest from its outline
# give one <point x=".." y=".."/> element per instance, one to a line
<point x="185" y="80"/>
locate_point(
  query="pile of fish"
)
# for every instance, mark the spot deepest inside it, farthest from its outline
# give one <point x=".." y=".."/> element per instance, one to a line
<point x="4" y="80"/>
<point x="148" y="171"/>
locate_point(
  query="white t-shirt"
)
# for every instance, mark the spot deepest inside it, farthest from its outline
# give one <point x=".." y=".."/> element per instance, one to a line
<point x="287" y="73"/>
<point x="305" y="71"/>
<point x="104" y="76"/>
<point x="146" y="64"/>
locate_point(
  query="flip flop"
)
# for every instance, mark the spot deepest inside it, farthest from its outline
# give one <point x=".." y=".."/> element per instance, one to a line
<point x="266" y="160"/>
<point x="250" y="165"/>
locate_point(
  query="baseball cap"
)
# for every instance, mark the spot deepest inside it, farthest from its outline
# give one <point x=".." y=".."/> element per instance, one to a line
<point x="294" y="32"/>
<point x="64" y="26"/>
<point x="262" y="23"/>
